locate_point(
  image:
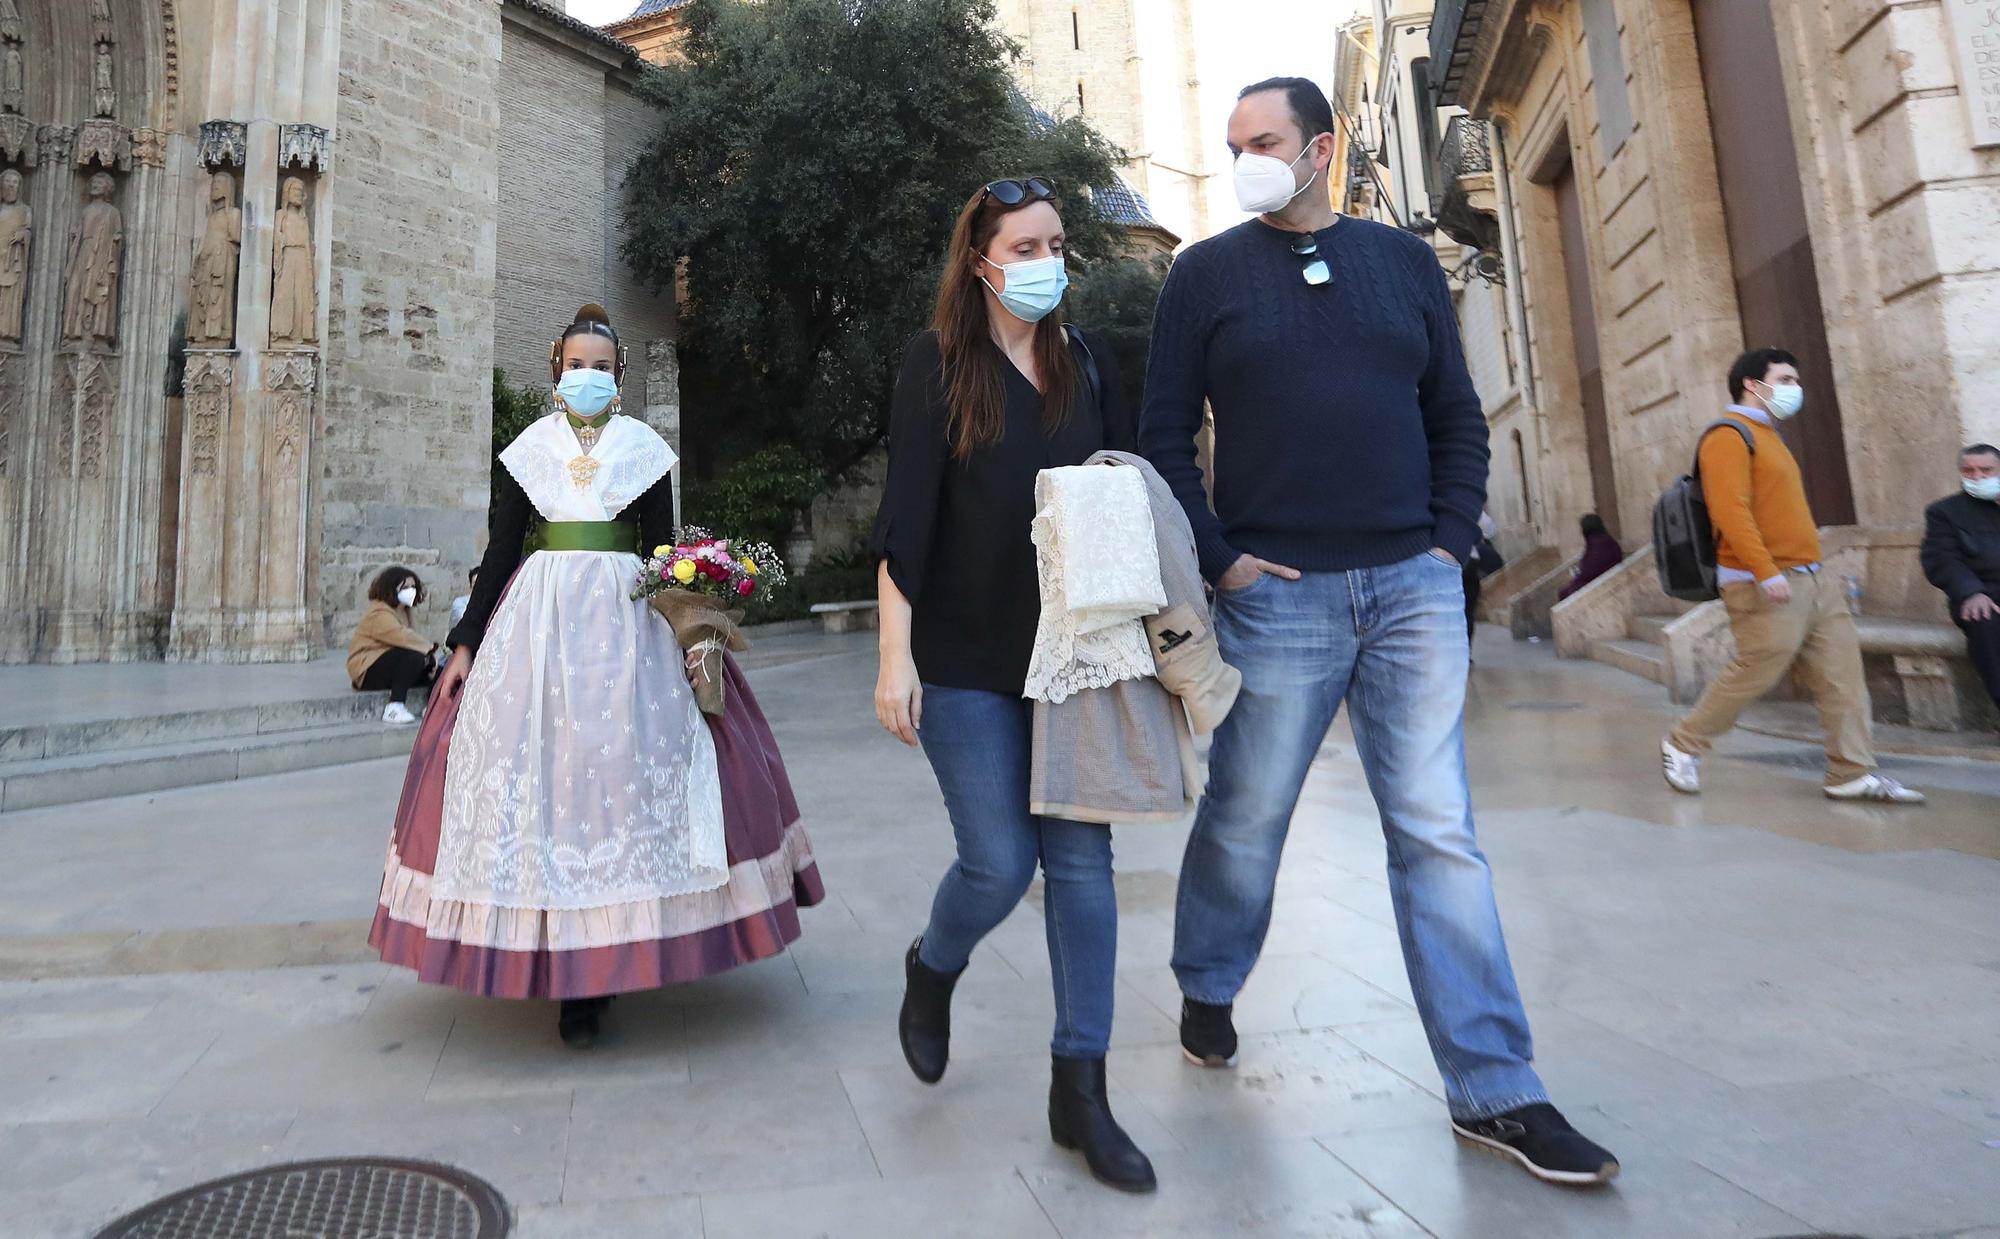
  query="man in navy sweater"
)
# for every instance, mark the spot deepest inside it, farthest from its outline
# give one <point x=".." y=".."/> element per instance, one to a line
<point x="1350" y="469"/>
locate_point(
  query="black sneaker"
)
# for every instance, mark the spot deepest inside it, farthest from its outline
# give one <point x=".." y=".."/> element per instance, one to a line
<point x="1542" y="1140"/>
<point x="1208" y="1038"/>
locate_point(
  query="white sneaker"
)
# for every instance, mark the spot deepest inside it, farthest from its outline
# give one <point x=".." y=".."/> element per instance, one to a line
<point x="1683" y="770"/>
<point x="398" y="713"/>
<point x="1879" y="788"/>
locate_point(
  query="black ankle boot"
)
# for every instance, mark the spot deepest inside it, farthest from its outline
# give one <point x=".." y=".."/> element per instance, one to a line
<point x="1080" y="1118"/>
<point x="577" y="1022"/>
<point x="925" y="1022"/>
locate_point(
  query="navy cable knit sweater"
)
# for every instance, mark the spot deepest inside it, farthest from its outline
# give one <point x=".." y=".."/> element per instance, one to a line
<point x="1347" y="430"/>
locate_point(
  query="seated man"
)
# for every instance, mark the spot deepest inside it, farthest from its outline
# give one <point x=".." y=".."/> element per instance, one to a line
<point x="1961" y="556"/>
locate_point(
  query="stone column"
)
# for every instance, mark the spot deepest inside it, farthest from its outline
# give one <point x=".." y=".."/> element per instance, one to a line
<point x="200" y="621"/>
<point x="19" y="147"/>
<point x="250" y="420"/>
<point x="663" y="403"/>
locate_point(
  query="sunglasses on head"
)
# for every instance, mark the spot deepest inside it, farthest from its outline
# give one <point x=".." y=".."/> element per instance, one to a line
<point x="1011" y="192"/>
<point x="1307" y="248"/>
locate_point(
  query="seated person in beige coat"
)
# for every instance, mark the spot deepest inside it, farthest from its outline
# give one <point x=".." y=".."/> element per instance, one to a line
<point x="386" y="651"/>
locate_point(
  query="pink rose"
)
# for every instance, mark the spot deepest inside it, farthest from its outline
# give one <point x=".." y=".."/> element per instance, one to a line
<point x="746" y="587"/>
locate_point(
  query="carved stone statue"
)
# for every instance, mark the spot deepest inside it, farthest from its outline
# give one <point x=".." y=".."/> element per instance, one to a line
<point x="103" y="87"/>
<point x="10" y="21"/>
<point x="13" y="79"/>
<point x="100" y="21"/>
<point x="90" y="311"/>
<point x="17" y="226"/>
<point x="294" y="290"/>
<point x="212" y="308"/>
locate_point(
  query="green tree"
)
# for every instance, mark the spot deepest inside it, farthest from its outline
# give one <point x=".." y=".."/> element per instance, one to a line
<point x="1113" y="304"/>
<point x="811" y="161"/>
<point x="514" y="410"/>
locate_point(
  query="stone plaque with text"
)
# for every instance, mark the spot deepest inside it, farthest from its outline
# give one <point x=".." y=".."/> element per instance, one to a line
<point x="1974" y="26"/>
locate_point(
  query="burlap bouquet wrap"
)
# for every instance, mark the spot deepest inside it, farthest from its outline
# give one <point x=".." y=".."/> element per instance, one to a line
<point x="706" y="626"/>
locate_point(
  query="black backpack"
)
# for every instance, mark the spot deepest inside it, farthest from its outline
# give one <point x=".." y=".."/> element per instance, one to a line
<point x="1683" y="537"/>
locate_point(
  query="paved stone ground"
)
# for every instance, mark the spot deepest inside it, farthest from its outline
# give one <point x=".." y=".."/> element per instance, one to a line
<point x="1783" y="1014"/>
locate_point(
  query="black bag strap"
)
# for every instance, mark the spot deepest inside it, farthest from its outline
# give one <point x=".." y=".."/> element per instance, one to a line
<point x="1090" y="374"/>
<point x="1749" y="440"/>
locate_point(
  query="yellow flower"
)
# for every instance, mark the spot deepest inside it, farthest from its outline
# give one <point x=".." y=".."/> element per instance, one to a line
<point x="660" y="552"/>
<point x="749" y="567"/>
<point x="684" y="571"/>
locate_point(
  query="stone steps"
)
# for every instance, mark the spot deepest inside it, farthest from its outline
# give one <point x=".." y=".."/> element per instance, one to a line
<point x="103" y="735"/>
<point x="1650" y="628"/>
<point x="69" y="763"/>
<point x="1641" y="658"/>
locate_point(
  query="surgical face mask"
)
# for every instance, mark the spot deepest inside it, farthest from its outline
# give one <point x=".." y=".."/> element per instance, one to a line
<point x="1983" y="488"/>
<point x="587" y="391"/>
<point x="407" y="595"/>
<point x="1034" y="287"/>
<point x="1264" y="182"/>
<point x="1784" y="401"/>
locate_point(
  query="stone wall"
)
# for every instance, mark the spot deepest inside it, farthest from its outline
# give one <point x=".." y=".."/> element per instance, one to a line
<point x="571" y="125"/>
<point x="405" y="444"/>
<point x="1658" y="259"/>
<point x="1902" y="210"/>
<point x="1904" y="216"/>
<point x="1094" y="46"/>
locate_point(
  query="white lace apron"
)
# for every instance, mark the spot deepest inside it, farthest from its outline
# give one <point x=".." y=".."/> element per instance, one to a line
<point x="581" y="774"/>
<point x="1100" y="576"/>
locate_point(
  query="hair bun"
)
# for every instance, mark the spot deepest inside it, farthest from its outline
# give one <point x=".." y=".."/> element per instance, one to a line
<point x="593" y="313"/>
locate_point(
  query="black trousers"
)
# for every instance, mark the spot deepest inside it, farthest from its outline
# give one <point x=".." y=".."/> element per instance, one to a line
<point x="399" y="671"/>
<point x="1982" y="642"/>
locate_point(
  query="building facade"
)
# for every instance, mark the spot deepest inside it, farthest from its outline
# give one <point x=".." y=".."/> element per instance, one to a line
<point x="1674" y="181"/>
<point x="1426" y="168"/>
<point x="252" y="292"/>
<point x="1127" y="67"/>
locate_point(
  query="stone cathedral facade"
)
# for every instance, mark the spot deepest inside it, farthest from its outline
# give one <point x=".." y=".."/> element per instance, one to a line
<point x="252" y="298"/>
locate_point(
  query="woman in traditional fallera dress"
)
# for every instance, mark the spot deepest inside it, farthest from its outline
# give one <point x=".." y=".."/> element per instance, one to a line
<point x="572" y="826"/>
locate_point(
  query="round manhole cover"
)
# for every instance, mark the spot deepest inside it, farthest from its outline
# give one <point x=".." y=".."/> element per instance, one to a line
<point x="339" y="1198"/>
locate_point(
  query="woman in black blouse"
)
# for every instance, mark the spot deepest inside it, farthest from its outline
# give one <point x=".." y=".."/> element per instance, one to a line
<point x="994" y="393"/>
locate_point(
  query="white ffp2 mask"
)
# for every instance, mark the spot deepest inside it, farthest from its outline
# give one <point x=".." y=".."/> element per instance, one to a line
<point x="1264" y="182"/>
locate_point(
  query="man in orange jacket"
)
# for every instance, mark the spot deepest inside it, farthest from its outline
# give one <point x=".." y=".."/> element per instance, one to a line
<point x="1784" y="610"/>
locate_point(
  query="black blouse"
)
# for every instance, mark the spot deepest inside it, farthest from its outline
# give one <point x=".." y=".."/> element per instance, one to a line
<point x="956" y="533"/>
<point x="507" y="535"/>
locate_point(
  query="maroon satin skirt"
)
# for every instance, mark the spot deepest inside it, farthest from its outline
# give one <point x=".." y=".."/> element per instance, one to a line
<point x="523" y="953"/>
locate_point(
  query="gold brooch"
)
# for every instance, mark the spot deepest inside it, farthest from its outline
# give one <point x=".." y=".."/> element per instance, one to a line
<point x="581" y="470"/>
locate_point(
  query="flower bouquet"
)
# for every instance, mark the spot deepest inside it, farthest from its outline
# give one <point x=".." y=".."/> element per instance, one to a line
<point x="700" y="584"/>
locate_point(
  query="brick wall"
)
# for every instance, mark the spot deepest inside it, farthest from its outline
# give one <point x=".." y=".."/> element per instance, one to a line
<point x="404" y="450"/>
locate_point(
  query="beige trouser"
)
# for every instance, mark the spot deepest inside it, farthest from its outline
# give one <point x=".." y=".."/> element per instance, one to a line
<point x="1813" y="632"/>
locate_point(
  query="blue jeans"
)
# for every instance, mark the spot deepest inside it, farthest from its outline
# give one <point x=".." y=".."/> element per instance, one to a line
<point x="978" y="746"/>
<point x="1391" y="641"/>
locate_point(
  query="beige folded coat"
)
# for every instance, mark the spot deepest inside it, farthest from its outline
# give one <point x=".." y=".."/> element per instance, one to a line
<point x="1125" y="753"/>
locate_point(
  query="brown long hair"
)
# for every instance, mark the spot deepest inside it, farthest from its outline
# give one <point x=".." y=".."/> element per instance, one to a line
<point x="974" y="392"/>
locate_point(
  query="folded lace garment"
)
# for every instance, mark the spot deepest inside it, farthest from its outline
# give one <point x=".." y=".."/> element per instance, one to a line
<point x="1100" y="577"/>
